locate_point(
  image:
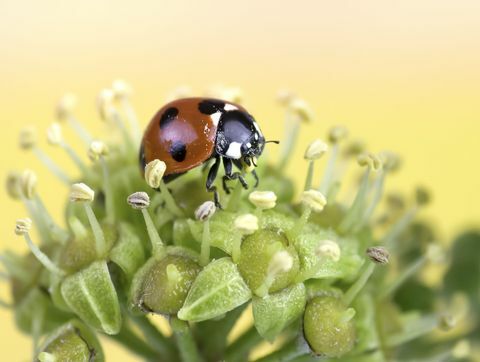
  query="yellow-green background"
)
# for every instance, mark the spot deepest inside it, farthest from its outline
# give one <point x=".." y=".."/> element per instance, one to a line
<point x="403" y="75"/>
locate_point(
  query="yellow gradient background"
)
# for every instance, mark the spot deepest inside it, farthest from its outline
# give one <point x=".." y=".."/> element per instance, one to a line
<point x="403" y="75"/>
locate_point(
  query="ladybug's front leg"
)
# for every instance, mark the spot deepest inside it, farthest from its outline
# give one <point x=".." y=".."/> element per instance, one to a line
<point x="257" y="180"/>
<point x="212" y="175"/>
<point x="230" y="175"/>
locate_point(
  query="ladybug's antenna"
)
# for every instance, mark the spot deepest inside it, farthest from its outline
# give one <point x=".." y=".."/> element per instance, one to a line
<point x="271" y="141"/>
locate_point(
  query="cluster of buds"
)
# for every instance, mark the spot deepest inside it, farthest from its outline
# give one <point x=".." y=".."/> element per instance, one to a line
<point x="314" y="268"/>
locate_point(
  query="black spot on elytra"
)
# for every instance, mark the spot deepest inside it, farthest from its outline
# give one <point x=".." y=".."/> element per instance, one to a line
<point x="168" y="116"/>
<point x="178" y="151"/>
<point x="210" y="106"/>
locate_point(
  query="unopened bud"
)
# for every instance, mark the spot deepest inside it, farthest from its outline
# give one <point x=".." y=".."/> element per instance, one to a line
<point x="12" y="185"/>
<point x="285" y="96"/>
<point x="330" y="249"/>
<point x="422" y="196"/>
<point x="154" y="173"/>
<point x="81" y="193"/>
<point x="281" y="262"/>
<point x="435" y="253"/>
<point x="139" y="200"/>
<point x="66" y="105"/>
<point x="369" y="160"/>
<point x="337" y="134"/>
<point x="390" y="161"/>
<point x="205" y="211"/>
<point x="105" y="103"/>
<point x="263" y="199"/>
<point x="28" y="183"/>
<point x="54" y="134"/>
<point x="447" y="322"/>
<point x="315" y="150"/>
<point x="121" y="89"/>
<point x="23" y="226"/>
<point x="378" y="254"/>
<point x="96" y="150"/>
<point x="27" y="138"/>
<point x="246" y="224"/>
<point x="314" y="200"/>
<point x="301" y="109"/>
<point x="354" y="148"/>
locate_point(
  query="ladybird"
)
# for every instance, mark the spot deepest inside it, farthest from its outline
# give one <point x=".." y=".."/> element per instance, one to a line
<point x="189" y="132"/>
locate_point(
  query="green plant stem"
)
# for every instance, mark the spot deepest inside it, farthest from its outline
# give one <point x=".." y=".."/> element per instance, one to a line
<point x="54" y="229"/>
<point x="234" y="200"/>
<point x="291" y="140"/>
<point x="80" y="131"/>
<point x="238" y="351"/>
<point x="398" y="228"/>
<point x="75" y="158"/>
<point x="354" y="213"/>
<point x="185" y="342"/>
<point x="170" y="201"/>
<point x="353" y="291"/>
<point x="157" y="243"/>
<point x="308" y="181"/>
<point x="411" y="270"/>
<point x="155" y="338"/>
<point x="51" y="166"/>
<point x="205" y="249"/>
<point x="100" y="243"/>
<point x="128" y="339"/>
<point x="413" y="331"/>
<point x="107" y="187"/>
<point x="329" y="173"/>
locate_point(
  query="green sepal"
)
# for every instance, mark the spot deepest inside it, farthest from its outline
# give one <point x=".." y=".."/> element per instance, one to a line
<point x="91" y="295"/>
<point x="73" y="342"/>
<point x="346" y="268"/>
<point x="218" y="289"/>
<point x="128" y="252"/>
<point x="276" y="311"/>
<point x="37" y="304"/>
<point x="151" y="290"/>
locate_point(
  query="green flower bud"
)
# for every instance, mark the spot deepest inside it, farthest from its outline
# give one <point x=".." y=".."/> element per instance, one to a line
<point x="71" y="342"/>
<point x="328" y="326"/>
<point x="91" y="295"/>
<point x="162" y="284"/>
<point x="257" y="251"/>
<point x="78" y="253"/>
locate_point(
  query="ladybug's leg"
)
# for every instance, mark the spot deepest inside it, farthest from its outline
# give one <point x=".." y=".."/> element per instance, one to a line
<point x="212" y="175"/>
<point x="255" y="176"/>
<point x="230" y="175"/>
<point x="228" y="166"/>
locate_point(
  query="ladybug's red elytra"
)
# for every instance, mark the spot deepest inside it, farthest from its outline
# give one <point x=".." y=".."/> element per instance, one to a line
<point x="188" y="132"/>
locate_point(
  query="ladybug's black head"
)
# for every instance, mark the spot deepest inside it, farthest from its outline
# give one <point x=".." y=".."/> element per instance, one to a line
<point x="239" y="138"/>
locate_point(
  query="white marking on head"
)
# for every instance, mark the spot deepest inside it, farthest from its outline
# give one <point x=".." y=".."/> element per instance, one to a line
<point x="216" y="118"/>
<point x="234" y="150"/>
<point x="229" y="107"/>
<point x="256" y="136"/>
